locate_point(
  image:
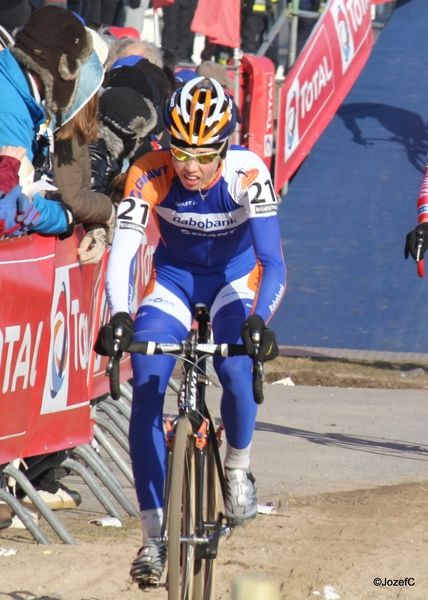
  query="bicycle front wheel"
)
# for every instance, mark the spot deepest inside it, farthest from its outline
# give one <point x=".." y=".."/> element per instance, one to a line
<point x="181" y="524"/>
<point x="205" y="568"/>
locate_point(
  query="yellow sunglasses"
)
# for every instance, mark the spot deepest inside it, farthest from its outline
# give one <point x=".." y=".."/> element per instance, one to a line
<point x="203" y="159"/>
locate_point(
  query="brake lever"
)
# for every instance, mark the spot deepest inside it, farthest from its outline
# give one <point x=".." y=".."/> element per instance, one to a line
<point x="258" y="370"/>
<point x="118" y="334"/>
<point x="419" y="261"/>
<point x="419" y="244"/>
<point x="256" y="339"/>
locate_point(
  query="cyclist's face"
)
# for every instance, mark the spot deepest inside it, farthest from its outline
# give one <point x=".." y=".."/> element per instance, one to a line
<point x="194" y="175"/>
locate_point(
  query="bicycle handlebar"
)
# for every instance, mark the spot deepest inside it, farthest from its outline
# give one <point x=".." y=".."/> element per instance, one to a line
<point x="152" y="348"/>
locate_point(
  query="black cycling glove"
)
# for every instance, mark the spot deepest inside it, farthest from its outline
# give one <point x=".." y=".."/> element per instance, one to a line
<point x="411" y="241"/>
<point x="107" y="334"/>
<point x="268" y="347"/>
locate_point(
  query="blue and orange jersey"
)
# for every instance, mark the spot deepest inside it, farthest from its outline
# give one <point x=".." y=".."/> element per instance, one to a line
<point x="232" y="224"/>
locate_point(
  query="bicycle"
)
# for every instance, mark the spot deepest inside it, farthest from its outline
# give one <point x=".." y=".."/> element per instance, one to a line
<point x="192" y="524"/>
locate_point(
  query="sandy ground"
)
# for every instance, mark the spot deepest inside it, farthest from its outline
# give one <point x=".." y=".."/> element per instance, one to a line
<point x="342" y="539"/>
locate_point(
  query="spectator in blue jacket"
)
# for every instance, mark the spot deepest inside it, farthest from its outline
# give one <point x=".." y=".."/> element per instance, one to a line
<point x="39" y="77"/>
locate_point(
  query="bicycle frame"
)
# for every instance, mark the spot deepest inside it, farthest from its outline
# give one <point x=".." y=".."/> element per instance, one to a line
<point x="191" y="402"/>
<point x="192" y="524"/>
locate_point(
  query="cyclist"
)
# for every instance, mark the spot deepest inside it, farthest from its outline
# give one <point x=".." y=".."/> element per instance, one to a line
<point x="417" y="239"/>
<point x="220" y="244"/>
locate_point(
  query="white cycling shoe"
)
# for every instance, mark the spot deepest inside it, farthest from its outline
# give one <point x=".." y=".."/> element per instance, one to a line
<point x="241" y="499"/>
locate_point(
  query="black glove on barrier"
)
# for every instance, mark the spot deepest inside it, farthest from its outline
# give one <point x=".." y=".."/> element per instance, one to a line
<point x="106" y="335"/>
<point x="268" y="347"/>
<point x="411" y="242"/>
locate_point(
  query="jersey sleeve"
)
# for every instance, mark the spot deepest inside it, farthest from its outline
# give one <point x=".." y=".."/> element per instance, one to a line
<point x="147" y="182"/>
<point x="252" y="188"/>
<point x="266" y="237"/>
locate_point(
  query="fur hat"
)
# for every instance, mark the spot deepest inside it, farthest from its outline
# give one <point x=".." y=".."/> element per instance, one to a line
<point x="14" y="13"/>
<point x="54" y="44"/>
<point x="125" y="118"/>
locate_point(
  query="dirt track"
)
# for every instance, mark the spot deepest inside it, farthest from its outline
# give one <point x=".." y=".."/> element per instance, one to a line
<point x="344" y="539"/>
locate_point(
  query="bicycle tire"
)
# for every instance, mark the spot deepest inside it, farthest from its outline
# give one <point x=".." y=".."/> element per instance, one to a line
<point x="205" y="569"/>
<point x="182" y="516"/>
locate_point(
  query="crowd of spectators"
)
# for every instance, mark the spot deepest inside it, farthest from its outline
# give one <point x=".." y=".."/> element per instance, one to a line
<point x="79" y="105"/>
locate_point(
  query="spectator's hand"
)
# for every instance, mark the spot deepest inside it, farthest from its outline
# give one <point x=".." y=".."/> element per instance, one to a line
<point x="411" y="242"/>
<point x="27" y="214"/>
<point x="268" y="347"/>
<point x="92" y="246"/>
<point x="17" y="152"/>
<point x="8" y="212"/>
<point x="107" y="334"/>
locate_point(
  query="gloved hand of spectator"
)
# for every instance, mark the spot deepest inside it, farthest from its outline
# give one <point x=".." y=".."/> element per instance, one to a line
<point x="134" y="3"/>
<point x="93" y="245"/>
<point x="110" y="225"/>
<point x="268" y="347"/>
<point x="411" y="242"/>
<point x="27" y="215"/>
<point x="107" y="334"/>
<point x="8" y="212"/>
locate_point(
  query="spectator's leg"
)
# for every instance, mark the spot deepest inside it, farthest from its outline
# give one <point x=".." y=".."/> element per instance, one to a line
<point x="170" y="32"/>
<point x="187" y="37"/>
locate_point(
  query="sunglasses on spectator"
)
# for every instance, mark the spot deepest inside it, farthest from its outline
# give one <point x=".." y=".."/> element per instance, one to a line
<point x="204" y="158"/>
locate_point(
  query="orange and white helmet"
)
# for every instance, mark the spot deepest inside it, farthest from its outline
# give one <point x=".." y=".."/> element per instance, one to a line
<point x="200" y="113"/>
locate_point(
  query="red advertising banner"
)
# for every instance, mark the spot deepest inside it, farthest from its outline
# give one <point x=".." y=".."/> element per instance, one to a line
<point x="50" y="312"/>
<point x="257" y="101"/>
<point x="318" y="82"/>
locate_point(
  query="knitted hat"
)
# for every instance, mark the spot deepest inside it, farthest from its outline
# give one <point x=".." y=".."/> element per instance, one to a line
<point x="54" y="44"/>
<point x="155" y="74"/>
<point x="126" y="112"/>
<point x="131" y="77"/>
<point x="14" y="13"/>
<point x="216" y="71"/>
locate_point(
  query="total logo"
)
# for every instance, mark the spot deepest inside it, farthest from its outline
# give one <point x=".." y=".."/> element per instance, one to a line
<point x="69" y="346"/>
<point x="345" y="37"/>
<point x="307" y="95"/>
<point x="56" y="382"/>
<point x="60" y="349"/>
<point x="292" y="133"/>
<point x="352" y="21"/>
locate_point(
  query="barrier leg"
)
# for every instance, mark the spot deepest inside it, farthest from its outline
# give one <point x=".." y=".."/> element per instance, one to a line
<point x="95" y="462"/>
<point x="22" y="513"/>
<point x="121" y="407"/>
<point x="126" y="391"/>
<point x="41" y="506"/>
<point x="112" y="452"/>
<point x="114" y="415"/>
<point x="83" y="472"/>
<point x="113" y="431"/>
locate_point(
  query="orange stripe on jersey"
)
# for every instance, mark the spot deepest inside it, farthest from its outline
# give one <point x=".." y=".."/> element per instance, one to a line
<point x="249" y="176"/>
<point x="254" y="278"/>
<point x="151" y="285"/>
<point x="150" y="177"/>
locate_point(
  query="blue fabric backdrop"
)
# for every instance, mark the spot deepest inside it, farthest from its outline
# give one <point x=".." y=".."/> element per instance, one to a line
<point x="350" y="205"/>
